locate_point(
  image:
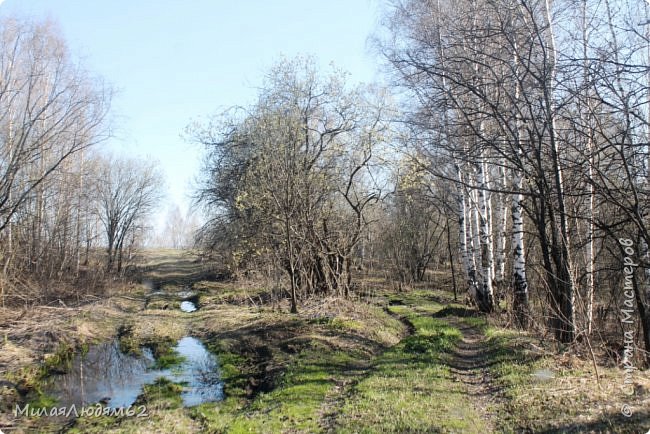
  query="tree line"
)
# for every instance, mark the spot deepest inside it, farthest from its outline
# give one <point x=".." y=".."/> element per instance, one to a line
<point x="60" y="199"/>
<point x="511" y="148"/>
<point x="515" y="151"/>
<point x="540" y="108"/>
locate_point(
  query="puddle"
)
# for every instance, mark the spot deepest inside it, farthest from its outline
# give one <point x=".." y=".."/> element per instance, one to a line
<point x="199" y="373"/>
<point x="106" y="374"/>
<point x="188" y="306"/>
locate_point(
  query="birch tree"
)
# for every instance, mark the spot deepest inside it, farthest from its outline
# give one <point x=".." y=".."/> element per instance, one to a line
<point x="51" y="112"/>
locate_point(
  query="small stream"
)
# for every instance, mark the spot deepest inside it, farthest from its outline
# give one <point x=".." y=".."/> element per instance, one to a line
<point x="106" y="374"/>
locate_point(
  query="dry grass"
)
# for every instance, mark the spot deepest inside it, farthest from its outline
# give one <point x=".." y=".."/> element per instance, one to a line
<point x="315" y="362"/>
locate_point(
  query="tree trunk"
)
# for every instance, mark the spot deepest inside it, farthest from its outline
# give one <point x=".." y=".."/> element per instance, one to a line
<point x="519" y="281"/>
<point x="464" y="234"/>
<point x="564" y="285"/>
<point x="501" y="236"/>
<point x="485" y="298"/>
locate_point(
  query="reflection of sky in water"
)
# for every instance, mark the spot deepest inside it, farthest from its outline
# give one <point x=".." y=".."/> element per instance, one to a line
<point x="106" y="373"/>
<point x="188" y="306"/>
<point x="199" y="373"/>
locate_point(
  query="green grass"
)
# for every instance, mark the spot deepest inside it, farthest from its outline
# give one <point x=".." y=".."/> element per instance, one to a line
<point x="42" y="400"/>
<point x="169" y="360"/>
<point x="411" y="388"/>
<point x="311" y="381"/>
<point x="235" y="370"/>
<point x="162" y="393"/>
<point x="296" y="403"/>
<point x="164" y="353"/>
<point x="534" y="404"/>
<point x="478" y="321"/>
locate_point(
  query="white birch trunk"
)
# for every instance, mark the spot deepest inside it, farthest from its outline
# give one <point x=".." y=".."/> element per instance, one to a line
<point x="501" y="225"/>
<point x="465" y="235"/>
<point x="462" y="224"/>
<point x="519" y="280"/>
<point x="474" y="240"/>
<point x="486" y="296"/>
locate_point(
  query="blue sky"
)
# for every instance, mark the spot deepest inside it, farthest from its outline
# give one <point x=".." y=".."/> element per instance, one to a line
<point x="174" y="61"/>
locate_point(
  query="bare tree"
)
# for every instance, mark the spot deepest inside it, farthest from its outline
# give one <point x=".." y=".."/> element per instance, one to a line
<point x="127" y="191"/>
<point x="51" y="111"/>
<point x="290" y="176"/>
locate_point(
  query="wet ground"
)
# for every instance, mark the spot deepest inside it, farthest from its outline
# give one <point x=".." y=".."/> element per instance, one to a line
<point x="105" y="374"/>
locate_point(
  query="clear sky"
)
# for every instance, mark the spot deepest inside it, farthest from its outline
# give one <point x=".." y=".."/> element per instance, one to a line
<point x="173" y="61"/>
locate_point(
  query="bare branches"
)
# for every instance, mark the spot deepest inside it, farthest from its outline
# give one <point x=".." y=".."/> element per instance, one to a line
<point x="127" y="191"/>
<point x="291" y="177"/>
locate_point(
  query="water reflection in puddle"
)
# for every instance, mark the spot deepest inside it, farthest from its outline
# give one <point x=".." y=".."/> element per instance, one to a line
<point x="106" y="374"/>
<point x="199" y="373"/>
<point x="188" y="306"/>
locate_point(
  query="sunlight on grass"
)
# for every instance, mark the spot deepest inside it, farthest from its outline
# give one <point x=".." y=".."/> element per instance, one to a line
<point x="411" y="389"/>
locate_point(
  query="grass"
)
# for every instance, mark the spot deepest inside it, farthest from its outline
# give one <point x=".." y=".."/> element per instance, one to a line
<point x="296" y="403"/>
<point x="324" y="358"/>
<point x="162" y="394"/>
<point x="411" y="388"/>
<point x="164" y="353"/>
<point x="565" y="398"/>
<point x="339" y="366"/>
<point x="164" y="304"/>
<point x="31" y="379"/>
<point x="534" y="404"/>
